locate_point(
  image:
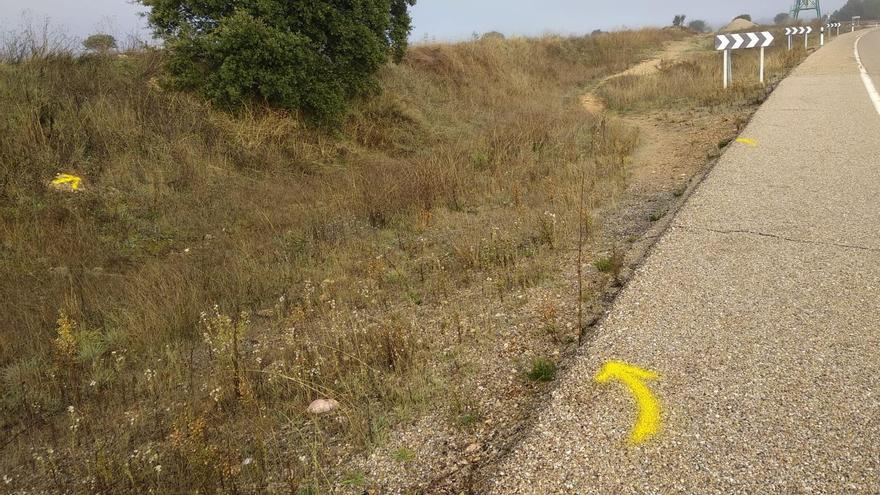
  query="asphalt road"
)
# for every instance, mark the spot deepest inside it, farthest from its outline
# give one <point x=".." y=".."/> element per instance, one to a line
<point x="869" y="49"/>
<point x="760" y="310"/>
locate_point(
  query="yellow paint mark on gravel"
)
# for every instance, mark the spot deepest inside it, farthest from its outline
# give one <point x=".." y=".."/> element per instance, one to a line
<point x="648" y="422"/>
<point x="748" y="141"/>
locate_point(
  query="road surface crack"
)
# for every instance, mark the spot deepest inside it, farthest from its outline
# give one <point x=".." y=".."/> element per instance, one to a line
<point x="782" y="238"/>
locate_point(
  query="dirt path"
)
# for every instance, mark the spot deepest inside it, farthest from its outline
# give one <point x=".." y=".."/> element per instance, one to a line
<point x="674" y="50"/>
<point x="672" y="145"/>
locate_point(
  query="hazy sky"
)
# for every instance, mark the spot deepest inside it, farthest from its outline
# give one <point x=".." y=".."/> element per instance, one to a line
<point x="441" y="19"/>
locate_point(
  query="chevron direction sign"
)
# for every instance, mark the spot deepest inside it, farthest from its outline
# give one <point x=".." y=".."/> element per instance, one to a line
<point x="833" y="25"/>
<point x="728" y="42"/>
<point x="798" y="30"/>
<point x="744" y="40"/>
<point x="804" y="30"/>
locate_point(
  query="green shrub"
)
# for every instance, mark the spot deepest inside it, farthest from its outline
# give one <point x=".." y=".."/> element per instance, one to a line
<point x="543" y="370"/>
<point x="296" y="55"/>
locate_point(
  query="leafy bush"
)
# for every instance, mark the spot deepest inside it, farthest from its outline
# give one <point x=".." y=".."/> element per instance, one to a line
<point x="744" y="16"/>
<point x="698" y="26"/>
<point x="296" y="55"/>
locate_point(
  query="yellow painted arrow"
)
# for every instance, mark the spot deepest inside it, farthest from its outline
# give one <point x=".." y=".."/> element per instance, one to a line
<point x="67" y="179"/>
<point x="648" y="422"/>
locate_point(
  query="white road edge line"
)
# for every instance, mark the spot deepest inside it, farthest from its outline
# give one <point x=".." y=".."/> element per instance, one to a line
<point x="869" y="84"/>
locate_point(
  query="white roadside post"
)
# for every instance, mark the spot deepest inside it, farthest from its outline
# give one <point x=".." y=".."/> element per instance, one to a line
<point x="724" y="71"/>
<point x="729" y="42"/>
<point x="821" y="36"/>
<point x="762" y="66"/>
<point x="788" y="33"/>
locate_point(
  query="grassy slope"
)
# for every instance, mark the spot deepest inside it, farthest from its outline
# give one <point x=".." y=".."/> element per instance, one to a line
<point x="107" y="293"/>
<point x="444" y="179"/>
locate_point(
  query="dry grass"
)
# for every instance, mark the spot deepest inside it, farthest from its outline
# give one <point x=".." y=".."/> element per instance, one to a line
<point x="696" y="81"/>
<point x="165" y="328"/>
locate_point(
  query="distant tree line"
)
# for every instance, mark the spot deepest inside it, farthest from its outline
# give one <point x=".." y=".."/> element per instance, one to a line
<point x="782" y="18"/>
<point x="868" y="9"/>
<point x="695" y="25"/>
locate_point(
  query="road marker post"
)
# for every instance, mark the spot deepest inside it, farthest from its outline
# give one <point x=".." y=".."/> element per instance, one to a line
<point x="821" y="36"/>
<point x="726" y="71"/>
<point x="729" y="42"/>
<point x="761" y="77"/>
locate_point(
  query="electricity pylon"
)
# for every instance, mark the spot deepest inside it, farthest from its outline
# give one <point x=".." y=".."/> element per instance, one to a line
<point x="802" y="5"/>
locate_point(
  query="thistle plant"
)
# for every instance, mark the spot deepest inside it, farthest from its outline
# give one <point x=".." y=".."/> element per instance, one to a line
<point x="224" y="338"/>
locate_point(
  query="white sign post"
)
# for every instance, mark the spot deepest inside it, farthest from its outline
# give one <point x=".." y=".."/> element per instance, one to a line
<point x="855" y="22"/>
<point x="729" y="42"/>
<point x="761" y="70"/>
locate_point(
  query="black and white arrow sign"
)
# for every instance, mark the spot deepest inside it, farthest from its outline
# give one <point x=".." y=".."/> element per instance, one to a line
<point x="738" y="41"/>
<point x="798" y="30"/>
<point x="753" y="40"/>
<point x="746" y="40"/>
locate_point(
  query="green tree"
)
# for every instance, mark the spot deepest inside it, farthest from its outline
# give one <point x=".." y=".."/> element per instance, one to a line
<point x="101" y="43"/>
<point x="744" y="16"/>
<point x="678" y="20"/>
<point x="698" y="26"/>
<point x="306" y="55"/>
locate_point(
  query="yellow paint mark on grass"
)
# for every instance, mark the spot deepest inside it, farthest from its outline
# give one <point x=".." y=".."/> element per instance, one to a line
<point x="66" y="180"/>
<point x="748" y="141"/>
<point x="648" y="422"/>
